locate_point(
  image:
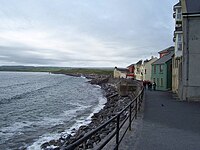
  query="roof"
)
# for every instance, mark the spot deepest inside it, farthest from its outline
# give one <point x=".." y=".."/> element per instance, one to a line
<point x="178" y="4"/>
<point x="145" y="61"/>
<point x="164" y="59"/>
<point x="139" y="62"/>
<point x="131" y="65"/>
<point x="122" y="69"/>
<point x="171" y="48"/>
<point x="192" y="6"/>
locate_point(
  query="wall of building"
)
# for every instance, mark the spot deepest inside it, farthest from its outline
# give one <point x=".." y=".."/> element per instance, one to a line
<point x="116" y="73"/>
<point x="190" y="86"/>
<point x="175" y="74"/>
<point x="147" y="70"/>
<point x="119" y="74"/>
<point x="160" y="78"/>
<point x="138" y="72"/>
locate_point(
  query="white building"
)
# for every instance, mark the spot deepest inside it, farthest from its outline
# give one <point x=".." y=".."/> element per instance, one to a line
<point x="147" y="68"/>
<point x="120" y="72"/>
<point x="189" y="66"/>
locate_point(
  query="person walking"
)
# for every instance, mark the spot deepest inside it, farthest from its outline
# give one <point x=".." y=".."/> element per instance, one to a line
<point x="150" y="86"/>
<point x="144" y="84"/>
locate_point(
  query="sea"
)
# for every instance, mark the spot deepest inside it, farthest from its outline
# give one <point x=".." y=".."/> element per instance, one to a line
<point x="38" y="107"/>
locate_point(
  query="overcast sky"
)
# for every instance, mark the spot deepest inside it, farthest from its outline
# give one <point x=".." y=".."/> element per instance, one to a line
<point x="82" y="33"/>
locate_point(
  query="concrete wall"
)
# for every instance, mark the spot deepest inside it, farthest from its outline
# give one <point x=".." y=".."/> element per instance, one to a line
<point x="190" y="86"/>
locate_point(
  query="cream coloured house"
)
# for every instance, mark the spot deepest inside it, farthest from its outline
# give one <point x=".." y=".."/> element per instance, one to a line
<point x="138" y="70"/>
<point x="178" y="42"/>
<point x="147" y="68"/>
<point x="120" y="72"/>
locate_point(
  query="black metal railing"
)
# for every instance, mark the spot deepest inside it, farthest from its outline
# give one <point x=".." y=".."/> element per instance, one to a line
<point x="130" y="113"/>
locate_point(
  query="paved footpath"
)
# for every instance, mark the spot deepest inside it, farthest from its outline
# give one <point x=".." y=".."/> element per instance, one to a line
<point x="166" y="124"/>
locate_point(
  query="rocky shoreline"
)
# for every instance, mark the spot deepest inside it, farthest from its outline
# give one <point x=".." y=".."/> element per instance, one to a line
<point x="114" y="104"/>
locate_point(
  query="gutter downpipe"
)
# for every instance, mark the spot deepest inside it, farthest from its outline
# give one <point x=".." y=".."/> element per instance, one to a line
<point x="187" y="73"/>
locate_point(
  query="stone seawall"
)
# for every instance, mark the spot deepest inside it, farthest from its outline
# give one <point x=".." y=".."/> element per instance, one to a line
<point x="115" y="103"/>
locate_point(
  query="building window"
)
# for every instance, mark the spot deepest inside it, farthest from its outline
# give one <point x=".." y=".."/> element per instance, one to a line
<point x="138" y="70"/>
<point x="179" y="14"/>
<point x="145" y="71"/>
<point x="179" y="37"/>
<point x="161" y="68"/>
<point x="154" y="69"/>
<point x="179" y="42"/>
<point x="179" y="46"/>
<point x="154" y="79"/>
<point x="158" y="84"/>
<point x="161" y="81"/>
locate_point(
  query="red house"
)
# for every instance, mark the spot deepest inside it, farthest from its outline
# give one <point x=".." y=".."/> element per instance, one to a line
<point x="131" y="69"/>
<point x="166" y="51"/>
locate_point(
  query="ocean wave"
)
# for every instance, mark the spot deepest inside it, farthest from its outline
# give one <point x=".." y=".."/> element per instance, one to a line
<point x="15" y="129"/>
<point x="47" y="110"/>
<point x="81" y="121"/>
<point x="14" y="85"/>
<point x="28" y="93"/>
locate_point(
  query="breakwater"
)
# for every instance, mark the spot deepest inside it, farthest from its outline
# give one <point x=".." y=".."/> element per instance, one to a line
<point x="115" y="103"/>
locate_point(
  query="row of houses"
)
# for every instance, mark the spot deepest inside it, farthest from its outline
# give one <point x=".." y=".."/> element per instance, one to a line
<point x="158" y="70"/>
<point x="178" y="66"/>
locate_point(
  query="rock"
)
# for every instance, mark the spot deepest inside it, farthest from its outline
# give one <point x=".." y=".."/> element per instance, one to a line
<point x="79" y="136"/>
<point x="53" y="142"/>
<point x="65" y="136"/>
<point x="44" y="145"/>
<point x="97" y="139"/>
<point x="89" y="143"/>
<point x="103" y="135"/>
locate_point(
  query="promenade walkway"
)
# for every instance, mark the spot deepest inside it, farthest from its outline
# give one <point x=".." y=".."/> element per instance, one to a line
<point x="165" y="124"/>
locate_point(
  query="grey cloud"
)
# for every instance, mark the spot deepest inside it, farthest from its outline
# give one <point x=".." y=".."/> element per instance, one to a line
<point x="22" y="56"/>
<point x="127" y="30"/>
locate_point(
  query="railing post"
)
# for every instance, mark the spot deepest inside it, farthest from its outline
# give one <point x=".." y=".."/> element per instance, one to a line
<point x="139" y="102"/>
<point x="130" y="116"/>
<point x="117" y="133"/>
<point x="136" y="107"/>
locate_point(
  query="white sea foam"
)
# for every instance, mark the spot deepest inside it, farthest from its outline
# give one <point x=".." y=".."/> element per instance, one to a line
<point x="21" y="124"/>
<point x="83" y="77"/>
<point x="16" y="128"/>
<point x="97" y="86"/>
<point x="82" y="121"/>
<point x="44" y="138"/>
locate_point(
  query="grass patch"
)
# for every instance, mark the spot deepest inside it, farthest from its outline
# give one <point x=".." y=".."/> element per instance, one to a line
<point x="96" y="71"/>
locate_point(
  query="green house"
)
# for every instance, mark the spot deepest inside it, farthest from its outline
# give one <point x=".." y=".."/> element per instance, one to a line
<point x="162" y="70"/>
